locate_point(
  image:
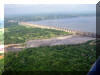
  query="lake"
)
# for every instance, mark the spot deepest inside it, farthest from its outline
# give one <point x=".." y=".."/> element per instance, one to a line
<point x="85" y="24"/>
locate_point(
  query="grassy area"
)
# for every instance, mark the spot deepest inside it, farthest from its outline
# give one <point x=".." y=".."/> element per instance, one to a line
<point x="56" y="58"/>
<point x="20" y="34"/>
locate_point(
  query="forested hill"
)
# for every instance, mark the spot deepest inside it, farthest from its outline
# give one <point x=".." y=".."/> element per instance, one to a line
<point x="52" y="58"/>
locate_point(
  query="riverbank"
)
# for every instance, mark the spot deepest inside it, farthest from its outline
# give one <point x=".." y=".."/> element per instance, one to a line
<point x="64" y="40"/>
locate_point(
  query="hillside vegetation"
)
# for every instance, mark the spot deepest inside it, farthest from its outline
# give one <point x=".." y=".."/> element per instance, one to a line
<point x="19" y="34"/>
<point x="78" y="57"/>
<point x="56" y="58"/>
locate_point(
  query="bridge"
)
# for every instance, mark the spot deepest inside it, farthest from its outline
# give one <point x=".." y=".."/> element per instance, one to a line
<point x="74" y="32"/>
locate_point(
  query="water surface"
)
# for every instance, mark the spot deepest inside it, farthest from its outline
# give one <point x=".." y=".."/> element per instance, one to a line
<point x="85" y="24"/>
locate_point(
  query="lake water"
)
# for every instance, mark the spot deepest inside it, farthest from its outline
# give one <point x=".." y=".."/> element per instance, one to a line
<point x="85" y="24"/>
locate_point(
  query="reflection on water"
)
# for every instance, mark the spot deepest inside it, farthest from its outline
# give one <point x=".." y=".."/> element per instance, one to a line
<point x="86" y="24"/>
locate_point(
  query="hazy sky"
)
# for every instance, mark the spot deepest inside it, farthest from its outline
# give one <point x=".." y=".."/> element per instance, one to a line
<point x="50" y="1"/>
<point x="13" y="9"/>
<point x="3" y="2"/>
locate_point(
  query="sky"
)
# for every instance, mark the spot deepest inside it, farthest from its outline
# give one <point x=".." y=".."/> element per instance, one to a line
<point x="50" y="1"/>
<point x="16" y="9"/>
<point x="3" y="2"/>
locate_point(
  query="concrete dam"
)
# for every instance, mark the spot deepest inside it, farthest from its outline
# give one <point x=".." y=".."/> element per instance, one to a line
<point x="74" y="32"/>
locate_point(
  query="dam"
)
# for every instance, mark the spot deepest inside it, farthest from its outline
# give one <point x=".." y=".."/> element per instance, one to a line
<point x="74" y="32"/>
